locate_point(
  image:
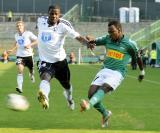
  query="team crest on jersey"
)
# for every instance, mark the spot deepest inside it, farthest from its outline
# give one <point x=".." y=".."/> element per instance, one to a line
<point x="20" y="41"/>
<point x="46" y="36"/>
<point x="115" y="54"/>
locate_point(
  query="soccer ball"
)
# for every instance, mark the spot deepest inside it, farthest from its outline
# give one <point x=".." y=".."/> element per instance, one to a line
<point x="17" y="102"/>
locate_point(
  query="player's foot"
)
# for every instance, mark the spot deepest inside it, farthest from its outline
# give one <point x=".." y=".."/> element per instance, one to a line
<point x="105" y="119"/>
<point x="18" y="90"/>
<point x="70" y="101"/>
<point x="84" y="105"/>
<point x="32" y="77"/>
<point x="43" y="100"/>
<point x="71" y="104"/>
<point x="6" y="61"/>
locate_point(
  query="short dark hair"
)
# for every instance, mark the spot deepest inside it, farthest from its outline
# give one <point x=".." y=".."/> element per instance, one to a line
<point x="52" y="7"/>
<point x="117" y="24"/>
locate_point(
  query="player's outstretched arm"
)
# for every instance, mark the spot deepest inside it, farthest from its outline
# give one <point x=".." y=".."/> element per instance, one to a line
<point x="90" y="39"/>
<point x="85" y="42"/>
<point x="12" y="49"/>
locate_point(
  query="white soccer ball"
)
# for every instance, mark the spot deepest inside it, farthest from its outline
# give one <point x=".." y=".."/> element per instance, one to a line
<point x="17" y="102"/>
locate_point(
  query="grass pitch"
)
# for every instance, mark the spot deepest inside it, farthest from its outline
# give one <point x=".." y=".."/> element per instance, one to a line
<point x="135" y="106"/>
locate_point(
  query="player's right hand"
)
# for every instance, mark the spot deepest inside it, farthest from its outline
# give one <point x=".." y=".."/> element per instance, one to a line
<point x="9" y="51"/>
<point x="90" y="38"/>
<point x="91" y="42"/>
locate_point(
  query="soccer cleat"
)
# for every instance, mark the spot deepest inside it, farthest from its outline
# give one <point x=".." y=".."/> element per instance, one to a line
<point x="43" y="100"/>
<point x="69" y="99"/>
<point x="71" y="104"/>
<point x="18" y="90"/>
<point x="84" y="105"/>
<point x="32" y="77"/>
<point x="105" y="119"/>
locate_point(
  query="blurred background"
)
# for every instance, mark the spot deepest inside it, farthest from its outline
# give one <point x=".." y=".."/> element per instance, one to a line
<point x="139" y="18"/>
<point x="149" y="9"/>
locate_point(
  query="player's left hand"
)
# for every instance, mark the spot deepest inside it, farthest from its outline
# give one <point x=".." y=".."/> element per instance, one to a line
<point x="141" y="76"/>
<point x="27" y="46"/>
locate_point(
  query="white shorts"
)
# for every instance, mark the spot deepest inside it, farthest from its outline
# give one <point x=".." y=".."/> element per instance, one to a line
<point x="108" y="76"/>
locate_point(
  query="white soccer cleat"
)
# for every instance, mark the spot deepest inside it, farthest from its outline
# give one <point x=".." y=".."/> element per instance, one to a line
<point x="18" y="90"/>
<point x="105" y="120"/>
<point x="69" y="100"/>
<point x="43" y="100"/>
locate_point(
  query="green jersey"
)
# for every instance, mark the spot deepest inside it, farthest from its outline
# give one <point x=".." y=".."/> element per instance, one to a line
<point x="118" y="54"/>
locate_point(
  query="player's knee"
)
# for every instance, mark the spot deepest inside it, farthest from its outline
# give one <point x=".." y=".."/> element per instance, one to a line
<point x="20" y="71"/>
<point x="106" y="88"/>
<point x="45" y="76"/>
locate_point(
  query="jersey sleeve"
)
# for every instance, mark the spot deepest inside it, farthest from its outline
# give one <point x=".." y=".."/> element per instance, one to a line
<point x="69" y="29"/>
<point x="133" y="49"/>
<point x="100" y="41"/>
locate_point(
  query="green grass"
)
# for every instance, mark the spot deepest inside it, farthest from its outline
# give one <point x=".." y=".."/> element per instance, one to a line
<point x="135" y="106"/>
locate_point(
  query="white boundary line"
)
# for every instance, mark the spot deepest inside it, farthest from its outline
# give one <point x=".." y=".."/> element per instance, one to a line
<point x="130" y="76"/>
<point x="147" y="80"/>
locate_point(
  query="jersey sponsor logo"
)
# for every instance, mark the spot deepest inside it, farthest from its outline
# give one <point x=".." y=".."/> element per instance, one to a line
<point x="115" y="54"/>
<point x="46" y="36"/>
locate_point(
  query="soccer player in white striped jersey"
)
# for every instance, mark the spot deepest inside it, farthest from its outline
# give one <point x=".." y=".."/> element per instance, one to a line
<point x="52" y="31"/>
<point x="24" y="40"/>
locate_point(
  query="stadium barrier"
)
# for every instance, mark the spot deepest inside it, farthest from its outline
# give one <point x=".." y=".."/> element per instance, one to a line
<point x="158" y="53"/>
<point x="148" y="35"/>
<point x="143" y="37"/>
<point x="73" y="14"/>
<point x="27" y="17"/>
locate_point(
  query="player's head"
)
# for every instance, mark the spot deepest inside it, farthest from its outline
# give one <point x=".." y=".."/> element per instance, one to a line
<point x="54" y="14"/>
<point x="20" y="26"/>
<point x="115" y="30"/>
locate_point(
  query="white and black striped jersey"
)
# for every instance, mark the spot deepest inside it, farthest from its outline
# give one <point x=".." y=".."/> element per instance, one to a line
<point x="22" y="40"/>
<point x="51" y="39"/>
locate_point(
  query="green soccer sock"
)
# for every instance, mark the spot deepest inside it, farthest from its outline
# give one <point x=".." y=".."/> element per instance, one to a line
<point x="100" y="107"/>
<point x="97" y="97"/>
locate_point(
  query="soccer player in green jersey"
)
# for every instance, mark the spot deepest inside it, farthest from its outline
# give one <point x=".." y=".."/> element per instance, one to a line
<point x="119" y="50"/>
